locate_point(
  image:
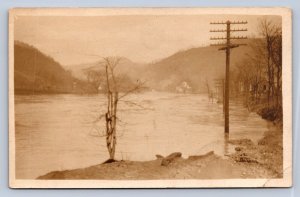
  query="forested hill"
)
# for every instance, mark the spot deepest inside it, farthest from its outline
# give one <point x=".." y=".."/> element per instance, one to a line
<point x="195" y="67"/>
<point x="36" y="72"/>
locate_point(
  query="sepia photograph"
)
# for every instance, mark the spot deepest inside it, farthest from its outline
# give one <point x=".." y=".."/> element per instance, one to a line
<point x="150" y="97"/>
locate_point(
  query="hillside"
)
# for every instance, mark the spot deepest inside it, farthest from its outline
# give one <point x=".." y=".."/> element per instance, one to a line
<point x="194" y="66"/>
<point x="37" y="73"/>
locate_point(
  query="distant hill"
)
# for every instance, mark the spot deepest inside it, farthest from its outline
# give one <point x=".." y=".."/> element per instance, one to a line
<point x="125" y="67"/>
<point x="194" y="66"/>
<point x="36" y="72"/>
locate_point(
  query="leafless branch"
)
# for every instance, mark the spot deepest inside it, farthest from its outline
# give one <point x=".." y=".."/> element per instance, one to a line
<point x="138" y="86"/>
<point x="135" y="104"/>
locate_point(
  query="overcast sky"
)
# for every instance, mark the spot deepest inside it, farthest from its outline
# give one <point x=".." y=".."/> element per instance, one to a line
<point x="74" y="39"/>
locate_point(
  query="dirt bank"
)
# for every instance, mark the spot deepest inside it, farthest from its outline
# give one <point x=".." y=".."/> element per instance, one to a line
<point x="249" y="161"/>
<point x="267" y="153"/>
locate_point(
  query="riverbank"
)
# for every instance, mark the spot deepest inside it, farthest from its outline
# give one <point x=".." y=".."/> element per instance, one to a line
<point x="267" y="154"/>
<point x="209" y="166"/>
<point x="261" y="160"/>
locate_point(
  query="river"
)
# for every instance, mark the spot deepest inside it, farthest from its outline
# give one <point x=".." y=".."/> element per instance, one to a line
<point x="59" y="132"/>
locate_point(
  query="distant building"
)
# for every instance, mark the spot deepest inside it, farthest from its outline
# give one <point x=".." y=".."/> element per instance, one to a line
<point x="184" y="87"/>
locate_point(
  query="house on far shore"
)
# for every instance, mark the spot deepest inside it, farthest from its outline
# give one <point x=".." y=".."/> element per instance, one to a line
<point x="99" y="88"/>
<point x="183" y="87"/>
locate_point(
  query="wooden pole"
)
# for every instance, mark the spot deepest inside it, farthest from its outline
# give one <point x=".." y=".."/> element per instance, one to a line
<point x="227" y="47"/>
<point x="227" y="78"/>
<point x="223" y="95"/>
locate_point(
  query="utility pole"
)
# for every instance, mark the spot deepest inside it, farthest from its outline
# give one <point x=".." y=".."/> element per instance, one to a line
<point x="227" y="46"/>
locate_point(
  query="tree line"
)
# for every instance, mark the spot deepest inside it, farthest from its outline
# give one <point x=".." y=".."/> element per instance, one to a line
<point x="259" y="75"/>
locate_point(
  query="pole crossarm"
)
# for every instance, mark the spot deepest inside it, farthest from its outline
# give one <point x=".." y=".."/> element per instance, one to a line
<point x="218" y="44"/>
<point x="238" y="22"/>
<point x="218" y="23"/>
<point x="223" y="45"/>
<point x="224" y="38"/>
<point x="238" y="37"/>
<point x="229" y="22"/>
<point x="239" y="29"/>
<point x="218" y="38"/>
<point x="229" y="47"/>
<point x="224" y="30"/>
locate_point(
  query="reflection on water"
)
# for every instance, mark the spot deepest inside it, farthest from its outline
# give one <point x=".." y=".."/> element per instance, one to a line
<point x="58" y="132"/>
<point x="226" y="144"/>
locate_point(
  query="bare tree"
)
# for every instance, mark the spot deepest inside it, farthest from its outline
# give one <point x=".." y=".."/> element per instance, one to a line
<point x="277" y="60"/>
<point x="94" y="78"/>
<point x="270" y="33"/>
<point x="261" y="71"/>
<point x="113" y="97"/>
